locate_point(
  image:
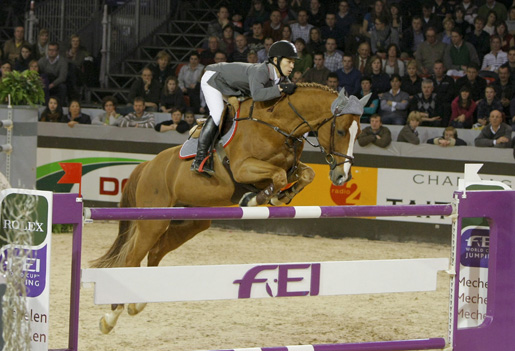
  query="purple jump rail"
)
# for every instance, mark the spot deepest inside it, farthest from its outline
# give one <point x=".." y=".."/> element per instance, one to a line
<point x="221" y="213"/>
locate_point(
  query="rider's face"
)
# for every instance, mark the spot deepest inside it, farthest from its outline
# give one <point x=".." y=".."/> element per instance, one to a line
<point x="287" y="66"/>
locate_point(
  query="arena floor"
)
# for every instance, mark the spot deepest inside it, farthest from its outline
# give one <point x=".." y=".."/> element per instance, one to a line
<point x="251" y="323"/>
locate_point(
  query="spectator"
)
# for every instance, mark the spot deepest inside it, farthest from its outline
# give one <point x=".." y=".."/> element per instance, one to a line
<point x="305" y="60"/>
<point x="394" y="103"/>
<point x="442" y="9"/>
<point x="383" y="35"/>
<point x="316" y="15"/>
<point x="474" y="81"/>
<point x="22" y="62"/>
<point x="376" y="133"/>
<point x="256" y="40"/>
<point x="463" y="108"/>
<point x="189" y="117"/>
<point x="76" y="53"/>
<point x="507" y="40"/>
<point x="171" y="96"/>
<point x="496" y="133"/>
<point x="139" y="118"/>
<point x="460" y="22"/>
<point x="75" y="115"/>
<point x="448" y="26"/>
<point x="296" y="77"/>
<point x="393" y="64"/>
<point x="511" y="62"/>
<point x="429" y="19"/>
<point x="175" y="123"/>
<point x="241" y="51"/>
<point x="426" y="102"/>
<point x="396" y="20"/>
<point x="510" y="22"/>
<point x="34" y="66"/>
<point x="359" y="9"/>
<point x="344" y="18"/>
<point x="459" y="55"/>
<point x="491" y="21"/>
<point x="332" y="82"/>
<point x="479" y="38"/>
<point x="162" y="68"/>
<point x="504" y="88"/>
<point x="263" y="53"/>
<point x="411" y="82"/>
<point x="362" y="57"/>
<point x="207" y="56"/>
<point x="495" y="58"/>
<point x="409" y="133"/>
<point x="252" y="57"/>
<point x="370" y="17"/>
<point x="430" y="51"/>
<point x="189" y="78"/>
<point x="487" y="105"/>
<point x="413" y="37"/>
<point x="257" y="13"/>
<point x="56" y="70"/>
<point x="273" y="28"/>
<point x="332" y="58"/>
<point x="220" y="57"/>
<point x="302" y="28"/>
<point x="53" y="111"/>
<point x="12" y="47"/>
<point x="109" y="117"/>
<point x="373" y="102"/>
<point x="286" y="33"/>
<point x="349" y="78"/>
<point x="469" y="9"/>
<point x="315" y="43"/>
<point x="330" y="30"/>
<point x="491" y="5"/>
<point x="227" y="44"/>
<point x="40" y="48"/>
<point x="449" y="138"/>
<point x="353" y="40"/>
<point x="80" y="66"/>
<point x="380" y="80"/>
<point x="318" y="73"/>
<point x="287" y="15"/>
<point x="444" y="86"/>
<point x="215" y="27"/>
<point x="148" y="88"/>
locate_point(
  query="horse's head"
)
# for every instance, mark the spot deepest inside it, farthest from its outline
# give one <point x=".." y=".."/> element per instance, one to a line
<point x="338" y="133"/>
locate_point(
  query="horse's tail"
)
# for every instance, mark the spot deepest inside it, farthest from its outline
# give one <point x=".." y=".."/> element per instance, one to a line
<point x="117" y="254"/>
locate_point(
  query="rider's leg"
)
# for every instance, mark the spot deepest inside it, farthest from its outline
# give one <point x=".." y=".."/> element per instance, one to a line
<point x="215" y="103"/>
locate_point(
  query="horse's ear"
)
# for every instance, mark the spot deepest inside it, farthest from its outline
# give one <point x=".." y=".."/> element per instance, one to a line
<point x="364" y="99"/>
<point x="343" y="93"/>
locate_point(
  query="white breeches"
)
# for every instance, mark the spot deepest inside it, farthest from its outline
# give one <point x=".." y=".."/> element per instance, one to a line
<point x="214" y="98"/>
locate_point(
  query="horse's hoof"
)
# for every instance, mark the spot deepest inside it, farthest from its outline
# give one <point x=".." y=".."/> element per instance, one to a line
<point x="104" y="327"/>
<point x="135" y="308"/>
<point x="275" y="201"/>
<point x="245" y="199"/>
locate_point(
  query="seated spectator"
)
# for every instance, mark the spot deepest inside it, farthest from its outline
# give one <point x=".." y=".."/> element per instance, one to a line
<point x="56" y="69"/>
<point x="429" y="19"/>
<point x="474" y="81"/>
<point x="286" y="33"/>
<point x="53" y="111"/>
<point x="411" y="82"/>
<point x="215" y="27"/>
<point x="349" y="78"/>
<point x="332" y="82"/>
<point x="257" y="13"/>
<point x="444" y="86"/>
<point x="370" y="17"/>
<point x="494" y="59"/>
<point x="228" y="44"/>
<point x="393" y="64"/>
<point x="40" y="48"/>
<point x="362" y="58"/>
<point x="394" y="103"/>
<point x="504" y="88"/>
<point x="12" y="47"/>
<point x="330" y="30"/>
<point x="380" y="80"/>
<point x="162" y="68"/>
<point x="344" y="18"/>
<point x="429" y="52"/>
<point x="316" y="14"/>
<point x="426" y="102"/>
<point x="318" y="73"/>
<point x="469" y="9"/>
<point x="463" y="107"/>
<point x="459" y="55"/>
<point x="189" y="80"/>
<point x="109" y="117"/>
<point x="449" y="138"/>
<point x="287" y="15"/>
<point x="376" y="133"/>
<point x="490" y="22"/>
<point x="409" y="133"/>
<point x="396" y="18"/>
<point x="448" y="26"/>
<point x="491" y="5"/>
<point x="75" y="116"/>
<point x="5" y="68"/>
<point x="413" y="37"/>
<point x="460" y="22"/>
<point x="479" y="38"/>
<point x="274" y="26"/>
<point x="332" y="58"/>
<point x="189" y="117"/>
<point x="22" y="62"/>
<point x="148" y="88"/>
<point x="171" y="96"/>
<point x="507" y="40"/>
<point x="487" y="105"/>
<point x="263" y="53"/>
<point x="510" y="22"/>
<point x="315" y="43"/>
<point x="383" y="35"/>
<point x="373" y="102"/>
<point x="256" y="39"/>
<point x="252" y="57"/>
<point x="496" y="133"/>
<point x="175" y="123"/>
<point x="241" y="50"/>
<point x="34" y="66"/>
<point x="352" y="42"/>
<point x="305" y="60"/>
<point x="139" y="118"/>
<point x="302" y="28"/>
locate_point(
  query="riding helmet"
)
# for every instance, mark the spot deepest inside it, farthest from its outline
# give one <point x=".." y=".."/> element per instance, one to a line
<point x="283" y="48"/>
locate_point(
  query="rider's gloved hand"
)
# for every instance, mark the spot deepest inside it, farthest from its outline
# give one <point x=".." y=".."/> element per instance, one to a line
<point x="288" y="88"/>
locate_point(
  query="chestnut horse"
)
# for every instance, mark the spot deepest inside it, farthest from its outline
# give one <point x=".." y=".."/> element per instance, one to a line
<point x="264" y="152"/>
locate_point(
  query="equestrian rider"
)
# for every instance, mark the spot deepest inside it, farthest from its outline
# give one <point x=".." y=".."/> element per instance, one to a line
<point x="261" y="81"/>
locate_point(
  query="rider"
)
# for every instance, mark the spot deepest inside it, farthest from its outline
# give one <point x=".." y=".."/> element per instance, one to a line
<point x="261" y="81"/>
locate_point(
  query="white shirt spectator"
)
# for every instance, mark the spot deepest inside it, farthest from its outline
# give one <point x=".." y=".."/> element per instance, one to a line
<point x="298" y="31"/>
<point x="333" y="62"/>
<point x="494" y="61"/>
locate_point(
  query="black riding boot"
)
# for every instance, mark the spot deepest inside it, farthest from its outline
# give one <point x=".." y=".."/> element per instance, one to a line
<point x="205" y="140"/>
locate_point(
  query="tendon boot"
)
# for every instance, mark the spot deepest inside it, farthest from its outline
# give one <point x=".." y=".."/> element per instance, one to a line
<point x="202" y="164"/>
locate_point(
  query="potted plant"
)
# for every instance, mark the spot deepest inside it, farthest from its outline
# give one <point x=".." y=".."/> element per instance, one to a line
<point x="25" y="88"/>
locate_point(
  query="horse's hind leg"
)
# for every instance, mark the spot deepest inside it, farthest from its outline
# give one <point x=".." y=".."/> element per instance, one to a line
<point x="304" y="176"/>
<point x="178" y="233"/>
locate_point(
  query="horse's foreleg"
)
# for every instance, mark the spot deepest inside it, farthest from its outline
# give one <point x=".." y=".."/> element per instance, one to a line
<point x="304" y="176"/>
<point x="108" y="321"/>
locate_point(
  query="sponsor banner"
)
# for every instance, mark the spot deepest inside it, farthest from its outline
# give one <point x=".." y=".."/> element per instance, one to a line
<point x="31" y="211"/>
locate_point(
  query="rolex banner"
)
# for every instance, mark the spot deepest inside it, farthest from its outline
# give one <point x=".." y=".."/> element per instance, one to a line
<point x="25" y="238"/>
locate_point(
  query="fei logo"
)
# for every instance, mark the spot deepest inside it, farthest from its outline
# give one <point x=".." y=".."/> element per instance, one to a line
<point x="307" y="273"/>
<point x="475" y="247"/>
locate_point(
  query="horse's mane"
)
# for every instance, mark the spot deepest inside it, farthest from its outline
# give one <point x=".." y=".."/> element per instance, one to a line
<point x="317" y="86"/>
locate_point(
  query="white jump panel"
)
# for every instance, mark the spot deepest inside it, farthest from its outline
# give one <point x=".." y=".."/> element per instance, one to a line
<point x="225" y="282"/>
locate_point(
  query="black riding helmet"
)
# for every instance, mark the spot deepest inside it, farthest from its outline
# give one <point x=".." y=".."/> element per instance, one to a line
<point x="281" y="49"/>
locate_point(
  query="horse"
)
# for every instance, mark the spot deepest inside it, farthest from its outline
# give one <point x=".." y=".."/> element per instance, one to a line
<point x="264" y="152"/>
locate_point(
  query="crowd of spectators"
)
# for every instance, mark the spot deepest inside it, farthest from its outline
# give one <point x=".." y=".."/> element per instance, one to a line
<point x="426" y="62"/>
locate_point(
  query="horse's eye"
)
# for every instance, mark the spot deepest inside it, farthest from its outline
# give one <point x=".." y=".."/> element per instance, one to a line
<point x="341" y="133"/>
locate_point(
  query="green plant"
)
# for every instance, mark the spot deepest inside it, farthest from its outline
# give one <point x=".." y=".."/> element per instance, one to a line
<point x="25" y="88"/>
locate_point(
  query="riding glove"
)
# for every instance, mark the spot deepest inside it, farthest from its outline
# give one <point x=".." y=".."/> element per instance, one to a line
<point x="288" y="88"/>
